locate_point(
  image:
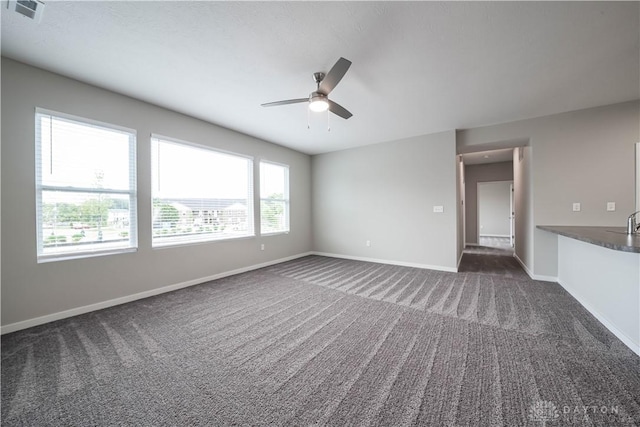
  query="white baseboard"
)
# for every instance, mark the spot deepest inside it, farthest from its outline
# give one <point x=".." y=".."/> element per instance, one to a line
<point x="12" y="327"/>
<point x="635" y="347"/>
<point x="534" y="276"/>
<point x="391" y="262"/>
<point x="495" y="235"/>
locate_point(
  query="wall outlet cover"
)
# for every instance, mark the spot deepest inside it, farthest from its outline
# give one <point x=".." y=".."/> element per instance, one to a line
<point x="611" y="206"/>
<point x="576" y="207"/>
<point x="438" y="209"/>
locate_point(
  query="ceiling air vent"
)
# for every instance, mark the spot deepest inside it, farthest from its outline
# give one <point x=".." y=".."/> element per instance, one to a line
<point x="32" y="9"/>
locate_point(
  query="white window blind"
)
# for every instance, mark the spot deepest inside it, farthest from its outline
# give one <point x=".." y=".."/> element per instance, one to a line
<point x="85" y="187"/>
<point x="199" y="194"/>
<point x="274" y="198"/>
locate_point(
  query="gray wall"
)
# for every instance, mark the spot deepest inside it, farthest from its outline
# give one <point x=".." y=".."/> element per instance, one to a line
<point x="494" y="208"/>
<point x="30" y="290"/>
<point x="502" y="171"/>
<point x="385" y="193"/>
<point x="584" y="156"/>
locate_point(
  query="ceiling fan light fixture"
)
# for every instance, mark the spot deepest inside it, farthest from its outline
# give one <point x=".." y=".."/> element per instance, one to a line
<point x="318" y="102"/>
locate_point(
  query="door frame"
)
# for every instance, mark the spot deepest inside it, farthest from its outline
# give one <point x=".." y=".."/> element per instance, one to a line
<point x="512" y="217"/>
<point x="637" y="176"/>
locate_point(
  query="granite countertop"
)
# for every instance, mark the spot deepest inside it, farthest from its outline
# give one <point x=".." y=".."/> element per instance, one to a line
<point x="615" y="238"/>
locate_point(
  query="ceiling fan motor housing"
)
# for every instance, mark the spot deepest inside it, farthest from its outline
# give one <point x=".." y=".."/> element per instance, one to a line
<point x="318" y="77"/>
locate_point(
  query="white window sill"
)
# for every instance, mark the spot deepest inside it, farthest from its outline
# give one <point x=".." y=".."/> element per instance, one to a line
<point x="274" y="233"/>
<point x="167" y="245"/>
<point x="80" y="255"/>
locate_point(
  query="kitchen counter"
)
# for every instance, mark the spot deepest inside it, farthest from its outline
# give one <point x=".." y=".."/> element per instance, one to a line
<point x="614" y="238"/>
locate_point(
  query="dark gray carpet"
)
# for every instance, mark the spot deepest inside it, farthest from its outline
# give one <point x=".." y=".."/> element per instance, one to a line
<point x="504" y="265"/>
<point x="489" y="249"/>
<point x="323" y="341"/>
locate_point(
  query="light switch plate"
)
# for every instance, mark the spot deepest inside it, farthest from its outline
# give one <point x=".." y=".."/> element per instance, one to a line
<point x="576" y="207"/>
<point x="611" y="206"/>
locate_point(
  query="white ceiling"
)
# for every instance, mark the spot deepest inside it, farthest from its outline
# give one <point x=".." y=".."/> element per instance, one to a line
<point x="418" y="67"/>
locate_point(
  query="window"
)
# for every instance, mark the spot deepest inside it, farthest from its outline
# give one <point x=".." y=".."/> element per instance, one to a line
<point x="85" y="187"/>
<point x="274" y="198"/>
<point x="199" y="194"/>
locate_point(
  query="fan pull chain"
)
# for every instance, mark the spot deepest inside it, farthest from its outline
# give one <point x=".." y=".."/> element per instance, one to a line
<point x="308" y="119"/>
<point x="328" y="125"/>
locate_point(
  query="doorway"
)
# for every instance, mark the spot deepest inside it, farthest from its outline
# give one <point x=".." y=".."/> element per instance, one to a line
<point x="495" y="214"/>
<point x="498" y="165"/>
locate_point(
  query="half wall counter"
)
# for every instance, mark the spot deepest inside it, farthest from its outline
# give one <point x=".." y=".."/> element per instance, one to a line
<point x="600" y="267"/>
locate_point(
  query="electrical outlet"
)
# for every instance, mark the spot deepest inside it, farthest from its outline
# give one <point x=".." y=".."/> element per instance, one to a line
<point x="576" y="207"/>
<point x="611" y="206"/>
<point x="262" y="247"/>
<point x="438" y="209"/>
<point x="368" y="243"/>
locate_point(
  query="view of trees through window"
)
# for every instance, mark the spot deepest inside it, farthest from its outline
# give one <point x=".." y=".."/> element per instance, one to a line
<point x="83" y="218"/>
<point x="86" y="197"/>
<point x="199" y="194"/>
<point x="274" y="198"/>
<point x="85" y="186"/>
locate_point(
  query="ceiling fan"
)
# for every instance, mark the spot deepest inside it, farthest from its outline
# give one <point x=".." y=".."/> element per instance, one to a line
<point x="319" y="100"/>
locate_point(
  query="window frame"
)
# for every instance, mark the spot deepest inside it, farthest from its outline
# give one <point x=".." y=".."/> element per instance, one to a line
<point x="40" y="187"/>
<point x="286" y="199"/>
<point x="251" y="232"/>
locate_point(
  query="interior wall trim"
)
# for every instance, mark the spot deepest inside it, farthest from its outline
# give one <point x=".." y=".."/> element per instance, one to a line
<point x="24" y="324"/>
<point x="390" y="262"/>
<point x="535" y="276"/>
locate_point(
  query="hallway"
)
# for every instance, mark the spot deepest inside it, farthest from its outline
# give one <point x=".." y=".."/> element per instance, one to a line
<point x="493" y="260"/>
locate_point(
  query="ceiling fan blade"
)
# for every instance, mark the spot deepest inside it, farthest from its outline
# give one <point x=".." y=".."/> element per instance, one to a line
<point x="285" y="102"/>
<point x="334" y="76"/>
<point x="339" y="110"/>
